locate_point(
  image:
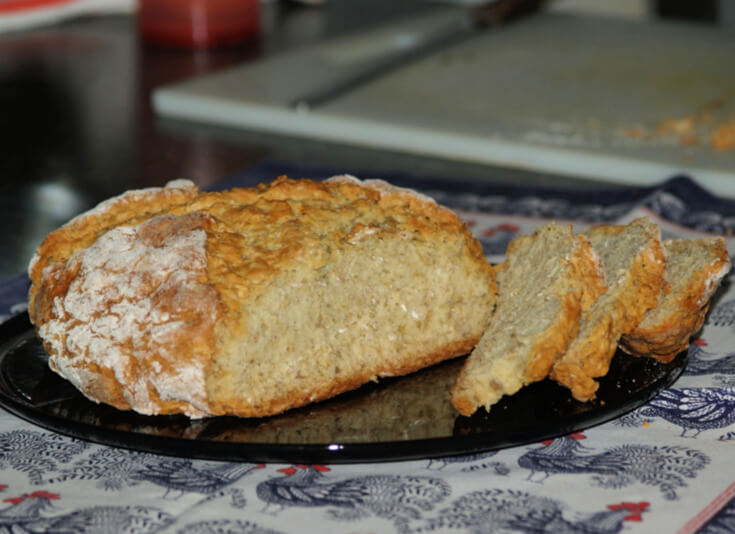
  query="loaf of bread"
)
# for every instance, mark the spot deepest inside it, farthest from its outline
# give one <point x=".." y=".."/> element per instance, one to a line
<point x="694" y="270"/>
<point x="254" y="301"/>
<point x="634" y="264"/>
<point x="545" y="283"/>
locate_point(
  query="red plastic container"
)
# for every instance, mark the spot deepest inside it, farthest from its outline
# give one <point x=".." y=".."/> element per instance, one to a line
<point x="198" y="23"/>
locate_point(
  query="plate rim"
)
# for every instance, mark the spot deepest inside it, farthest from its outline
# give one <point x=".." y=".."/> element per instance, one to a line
<point x="332" y="453"/>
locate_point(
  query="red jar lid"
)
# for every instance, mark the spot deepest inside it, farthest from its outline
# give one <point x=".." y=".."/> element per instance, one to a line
<point x="198" y="23"/>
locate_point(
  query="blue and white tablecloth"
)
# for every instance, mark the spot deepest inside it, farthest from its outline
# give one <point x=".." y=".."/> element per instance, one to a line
<point x="666" y="467"/>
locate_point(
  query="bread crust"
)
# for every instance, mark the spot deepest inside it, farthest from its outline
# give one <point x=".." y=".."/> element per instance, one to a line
<point x="616" y="312"/>
<point x="146" y="337"/>
<point x="130" y="321"/>
<point x="681" y="312"/>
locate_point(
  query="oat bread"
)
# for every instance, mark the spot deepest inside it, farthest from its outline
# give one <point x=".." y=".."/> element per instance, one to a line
<point x="545" y="283"/>
<point x="694" y="270"/>
<point x="253" y="301"/>
<point x="634" y="263"/>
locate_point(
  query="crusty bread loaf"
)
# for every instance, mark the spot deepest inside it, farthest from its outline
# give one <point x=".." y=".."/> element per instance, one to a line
<point x="694" y="270"/>
<point x="254" y="301"/>
<point x="544" y="284"/>
<point x="634" y="264"/>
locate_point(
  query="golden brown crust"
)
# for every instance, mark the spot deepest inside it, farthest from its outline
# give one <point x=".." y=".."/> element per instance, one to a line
<point x="586" y="270"/>
<point x="593" y="354"/>
<point x="663" y="342"/>
<point x="218" y="250"/>
<point x="130" y="320"/>
<point x="129" y="208"/>
<point x="613" y="314"/>
<point x="548" y="349"/>
<point x="261" y="209"/>
<point x="667" y="334"/>
<point x="464" y="404"/>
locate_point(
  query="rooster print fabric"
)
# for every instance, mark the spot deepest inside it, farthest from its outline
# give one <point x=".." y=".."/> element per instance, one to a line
<point x="665" y="467"/>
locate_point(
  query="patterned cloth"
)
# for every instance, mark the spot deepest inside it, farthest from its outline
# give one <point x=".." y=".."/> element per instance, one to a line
<point x="665" y="467"/>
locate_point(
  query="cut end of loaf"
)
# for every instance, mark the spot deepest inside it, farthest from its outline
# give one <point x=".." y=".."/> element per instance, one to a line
<point x="380" y="307"/>
<point x="130" y="320"/>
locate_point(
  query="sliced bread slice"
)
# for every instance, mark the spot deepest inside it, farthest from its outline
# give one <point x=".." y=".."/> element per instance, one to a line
<point x="543" y="285"/>
<point x="694" y="270"/>
<point x="633" y="258"/>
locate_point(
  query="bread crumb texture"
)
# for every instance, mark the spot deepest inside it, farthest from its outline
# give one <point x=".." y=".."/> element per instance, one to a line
<point x="253" y="301"/>
<point x="694" y="270"/>
<point x="634" y="263"/>
<point x="545" y="283"/>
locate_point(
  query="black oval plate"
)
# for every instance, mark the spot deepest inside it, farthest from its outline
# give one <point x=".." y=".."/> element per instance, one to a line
<point x="399" y="419"/>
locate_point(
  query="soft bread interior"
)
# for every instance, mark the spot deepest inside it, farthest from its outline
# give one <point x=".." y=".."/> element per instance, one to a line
<point x="685" y="259"/>
<point x="634" y="263"/>
<point x="541" y="290"/>
<point x="694" y="270"/>
<point x="377" y="308"/>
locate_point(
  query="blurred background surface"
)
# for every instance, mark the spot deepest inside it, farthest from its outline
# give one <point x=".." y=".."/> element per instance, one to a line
<point x="77" y="123"/>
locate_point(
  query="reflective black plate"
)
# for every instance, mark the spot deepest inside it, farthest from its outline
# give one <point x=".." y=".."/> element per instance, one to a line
<point x="398" y="419"/>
